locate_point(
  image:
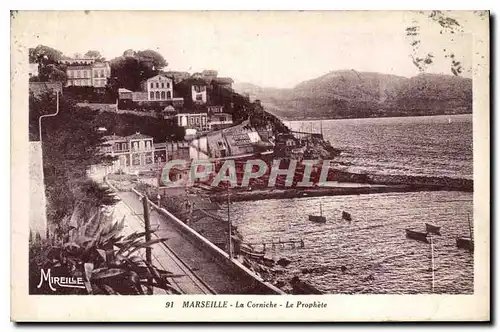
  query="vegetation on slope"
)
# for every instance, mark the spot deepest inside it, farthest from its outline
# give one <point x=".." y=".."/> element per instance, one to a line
<point x="351" y="94"/>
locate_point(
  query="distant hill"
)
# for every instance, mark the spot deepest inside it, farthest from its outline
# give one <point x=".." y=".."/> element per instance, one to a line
<point x="352" y="94"/>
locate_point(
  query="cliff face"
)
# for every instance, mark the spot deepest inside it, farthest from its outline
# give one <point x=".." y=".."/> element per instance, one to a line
<point x="350" y="94"/>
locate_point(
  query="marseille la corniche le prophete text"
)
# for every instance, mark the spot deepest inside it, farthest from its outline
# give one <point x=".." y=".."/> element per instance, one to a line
<point x="254" y="304"/>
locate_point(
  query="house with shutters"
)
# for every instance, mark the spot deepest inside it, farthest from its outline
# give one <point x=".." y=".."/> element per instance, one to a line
<point x="134" y="152"/>
<point x="158" y="88"/>
<point x="87" y="72"/>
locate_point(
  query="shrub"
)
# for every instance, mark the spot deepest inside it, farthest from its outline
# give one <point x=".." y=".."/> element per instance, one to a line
<point x="95" y="250"/>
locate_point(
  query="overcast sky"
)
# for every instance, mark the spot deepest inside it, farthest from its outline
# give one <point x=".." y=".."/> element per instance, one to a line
<point x="272" y="49"/>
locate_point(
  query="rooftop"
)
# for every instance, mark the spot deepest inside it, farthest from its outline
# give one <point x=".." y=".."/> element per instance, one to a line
<point x="113" y="138"/>
<point x="160" y="75"/>
<point x="138" y="136"/>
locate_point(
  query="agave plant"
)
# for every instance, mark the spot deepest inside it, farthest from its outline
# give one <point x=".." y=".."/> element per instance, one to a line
<point x="95" y="250"/>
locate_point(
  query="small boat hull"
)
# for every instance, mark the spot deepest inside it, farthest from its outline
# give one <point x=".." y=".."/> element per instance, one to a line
<point x="253" y="254"/>
<point x="415" y="235"/>
<point x="465" y="243"/>
<point x="346" y="216"/>
<point x="433" y="229"/>
<point x="318" y="219"/>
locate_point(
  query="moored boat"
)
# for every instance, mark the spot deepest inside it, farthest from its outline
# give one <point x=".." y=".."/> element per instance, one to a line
<point x="433" y="229"/>
<point x="465" y="243"/>
<point x="416" y="235"/>
<point x="319" y="219"/>
<point x="316" y="218"/>
<point x="346" y="216"/>
<point x="253" y="254"/>
<point x="249" y="251"/>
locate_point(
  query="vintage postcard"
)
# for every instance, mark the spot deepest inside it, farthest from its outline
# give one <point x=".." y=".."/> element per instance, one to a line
<point x="250" y="166"/>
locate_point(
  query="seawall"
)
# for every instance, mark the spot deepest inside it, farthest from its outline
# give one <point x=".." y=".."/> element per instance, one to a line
<point x="249" y="280"/>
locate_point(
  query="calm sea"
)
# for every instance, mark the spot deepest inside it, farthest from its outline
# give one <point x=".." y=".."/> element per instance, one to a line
<point x="429" y="145"/>
<point x="373" y="247"/>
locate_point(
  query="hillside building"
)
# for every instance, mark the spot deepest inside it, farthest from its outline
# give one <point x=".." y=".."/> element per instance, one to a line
<point x="87" y="72"/>
<point x="134" y="152"/>
<point x="159" y="87"/>
<point x="193" y="120"/>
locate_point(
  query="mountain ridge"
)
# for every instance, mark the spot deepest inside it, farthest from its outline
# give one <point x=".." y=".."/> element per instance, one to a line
<point x="353" y="94"/>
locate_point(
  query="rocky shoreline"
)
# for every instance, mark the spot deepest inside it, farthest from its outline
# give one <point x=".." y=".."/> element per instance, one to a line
<point x="351" y="184"/>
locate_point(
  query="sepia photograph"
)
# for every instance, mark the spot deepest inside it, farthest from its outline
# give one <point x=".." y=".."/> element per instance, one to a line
<point x="251" y="153"/>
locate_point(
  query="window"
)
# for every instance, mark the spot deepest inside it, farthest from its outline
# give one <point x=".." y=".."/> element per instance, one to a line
<point x="157" y="85"/>
<point x="199" y="97"/>
<point x="191" y="121"/>
<point x="84" y="74"/>
<point x="152" y="85"/>
<point x="149" y="159"/>
<point x="169" y="95"/>
<point x="197" y="120"/>
<point x="151" y="94"/>
<point x="168" y="85"/>
<point x="77" y="74"/>
<point x="157" y="95"/>
<point x="136" y="159"/>
<point x="102" y="72"/>
<point x="162" y="85"/>
<point x="163" y="94"/>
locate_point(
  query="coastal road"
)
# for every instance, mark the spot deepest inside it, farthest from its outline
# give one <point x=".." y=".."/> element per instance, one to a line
<point x="162" y="256"/>
<point x="197" y="261"/>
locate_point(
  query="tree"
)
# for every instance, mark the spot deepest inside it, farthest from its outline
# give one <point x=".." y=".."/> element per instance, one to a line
<point x="129" y="70"/>
<point x="44" y="55"/>
<point x="95" y="250"/>
<point x="127" y="124"/>
<point x="52" y="73"/>
<point x="93" y="54"/>
<point x="156" y="58"/>
<point x="127" y="73"/>
<point x="49" y="66"/>
<point x="70" y="146"/>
